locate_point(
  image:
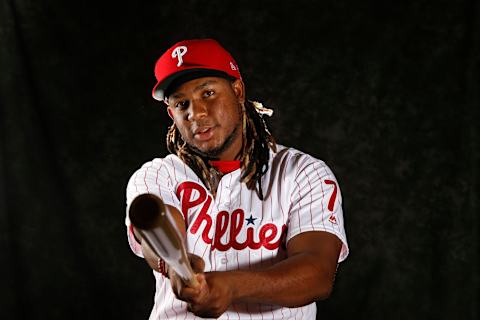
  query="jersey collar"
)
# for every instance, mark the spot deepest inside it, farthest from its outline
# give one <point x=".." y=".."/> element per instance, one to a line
<point x="225" y="166"/>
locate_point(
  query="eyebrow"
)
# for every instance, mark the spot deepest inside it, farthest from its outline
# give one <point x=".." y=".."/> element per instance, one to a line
<point x="197" y="88"/>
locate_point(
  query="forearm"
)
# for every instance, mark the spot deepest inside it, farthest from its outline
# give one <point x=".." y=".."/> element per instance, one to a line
<point x="306" y="275"/>
<point x="294" y="282"/>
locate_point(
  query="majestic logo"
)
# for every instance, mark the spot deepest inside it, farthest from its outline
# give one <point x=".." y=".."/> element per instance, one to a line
<point x="332" y="219"/>
<point x="269" y="235"/>
<point x="178" y="53"/>
<point x="232" y="66"/>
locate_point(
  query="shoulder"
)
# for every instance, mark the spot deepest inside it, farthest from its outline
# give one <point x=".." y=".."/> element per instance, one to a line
<point x="293" y="162"/>
<point x="169" y="171"/>
<point x="170" y="161"/>
<point x="159" y="175"/>
<point x="156" y="168"/>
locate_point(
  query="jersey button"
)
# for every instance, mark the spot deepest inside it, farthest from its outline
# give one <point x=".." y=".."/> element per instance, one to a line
<point x="224" y="260"/>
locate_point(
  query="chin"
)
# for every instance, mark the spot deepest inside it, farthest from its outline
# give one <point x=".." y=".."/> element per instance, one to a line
<point x="210" y="152"/>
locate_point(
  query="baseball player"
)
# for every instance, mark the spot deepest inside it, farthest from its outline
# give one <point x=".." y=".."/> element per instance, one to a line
<point x="263" y="223"/>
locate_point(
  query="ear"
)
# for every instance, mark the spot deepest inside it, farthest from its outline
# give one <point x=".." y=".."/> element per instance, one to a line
<point x="239" y="88"/>
<point x="170" y="112"/>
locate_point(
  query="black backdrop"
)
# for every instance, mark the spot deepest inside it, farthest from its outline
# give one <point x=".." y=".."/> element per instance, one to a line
<point x="387" y="93"/>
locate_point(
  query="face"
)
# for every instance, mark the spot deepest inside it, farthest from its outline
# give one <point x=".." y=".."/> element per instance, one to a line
<point x="207" y="112"/>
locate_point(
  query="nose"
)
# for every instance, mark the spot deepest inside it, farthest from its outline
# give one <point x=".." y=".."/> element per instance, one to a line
<point x="198" y="110"/>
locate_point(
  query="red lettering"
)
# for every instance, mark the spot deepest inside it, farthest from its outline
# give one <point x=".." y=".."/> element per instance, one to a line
<point x="236" y="221"/>
<point x="221" y="226"/>
<point x="267" y="235"/>
<point x="251" y="241"/>
<point x="331" y="202"/>
<point x="203" y="216"/>
<point x="236" y="226"/>
<point x="187" y="202"/>
<point x="265" y="239"/>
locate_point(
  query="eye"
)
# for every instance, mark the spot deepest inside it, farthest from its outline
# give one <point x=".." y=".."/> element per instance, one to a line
<point x="208" y="93"/>
<point x="183" y="104"/>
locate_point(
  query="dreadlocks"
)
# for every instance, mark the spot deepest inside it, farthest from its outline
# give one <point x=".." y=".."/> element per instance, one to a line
<point x="257" y="140"/>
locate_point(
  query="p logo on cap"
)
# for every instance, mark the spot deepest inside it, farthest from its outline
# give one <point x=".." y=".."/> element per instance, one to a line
<point x="178" y="53"/>
<point x="192" y="58"/>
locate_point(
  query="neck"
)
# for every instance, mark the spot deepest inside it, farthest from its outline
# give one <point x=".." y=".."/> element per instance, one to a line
<point x="234" y="150"/>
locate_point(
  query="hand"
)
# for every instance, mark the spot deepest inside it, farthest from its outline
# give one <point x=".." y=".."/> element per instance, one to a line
<point x="176" y="282"/>
<point x="213" y="295"/>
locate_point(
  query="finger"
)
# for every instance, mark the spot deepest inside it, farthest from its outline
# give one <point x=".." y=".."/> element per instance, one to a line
<point x="196" y="294"/>
<point x="201" y="279"/>
<point x="190" y="295"/>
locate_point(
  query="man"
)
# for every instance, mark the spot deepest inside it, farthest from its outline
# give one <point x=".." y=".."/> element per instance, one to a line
<point x="263" y="222"/>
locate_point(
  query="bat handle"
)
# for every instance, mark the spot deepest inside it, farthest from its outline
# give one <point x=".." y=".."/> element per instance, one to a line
<point x="189" y="277"/>
<point x="192" y="282"/>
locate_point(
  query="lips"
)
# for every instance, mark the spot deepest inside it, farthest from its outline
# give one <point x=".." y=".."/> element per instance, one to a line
<point x="203" y="133"/>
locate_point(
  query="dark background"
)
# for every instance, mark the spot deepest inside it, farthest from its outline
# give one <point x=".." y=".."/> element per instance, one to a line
<point x="387" y="93"/>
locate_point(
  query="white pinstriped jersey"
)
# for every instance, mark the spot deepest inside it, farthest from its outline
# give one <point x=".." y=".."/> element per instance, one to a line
<point x="236" y="230"/>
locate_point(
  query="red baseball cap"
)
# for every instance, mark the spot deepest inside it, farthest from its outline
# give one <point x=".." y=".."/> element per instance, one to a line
<point x="191" y="59"/>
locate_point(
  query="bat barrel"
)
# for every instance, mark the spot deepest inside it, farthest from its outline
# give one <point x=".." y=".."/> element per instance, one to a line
<point x="145" y="211"/>
<point x="149" y="215"/>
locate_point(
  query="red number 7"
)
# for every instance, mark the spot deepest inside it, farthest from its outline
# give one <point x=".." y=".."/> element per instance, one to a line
<point x="331" y="202"/>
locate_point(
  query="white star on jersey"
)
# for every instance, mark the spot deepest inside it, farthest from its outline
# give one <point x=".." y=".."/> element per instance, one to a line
<point x="237" y="230"/>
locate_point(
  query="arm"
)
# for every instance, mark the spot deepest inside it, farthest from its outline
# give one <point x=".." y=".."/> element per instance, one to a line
<point x="305" y="276"/>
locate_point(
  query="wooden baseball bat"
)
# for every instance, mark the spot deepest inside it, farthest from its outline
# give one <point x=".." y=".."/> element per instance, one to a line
<point x="153" y="220"/>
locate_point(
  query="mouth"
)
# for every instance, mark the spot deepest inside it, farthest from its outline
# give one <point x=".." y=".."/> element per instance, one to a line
<point x="203" y="133"/>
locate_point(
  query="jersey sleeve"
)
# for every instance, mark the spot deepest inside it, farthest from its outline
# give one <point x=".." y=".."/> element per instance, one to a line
<point x="316" y="203"/>
<point x="152" y="178"/>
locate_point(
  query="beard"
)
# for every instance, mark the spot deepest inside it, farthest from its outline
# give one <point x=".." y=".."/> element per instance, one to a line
<point x="212" y="154"/>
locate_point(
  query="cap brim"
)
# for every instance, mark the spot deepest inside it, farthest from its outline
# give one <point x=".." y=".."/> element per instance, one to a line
<point x="163" y="88"/>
